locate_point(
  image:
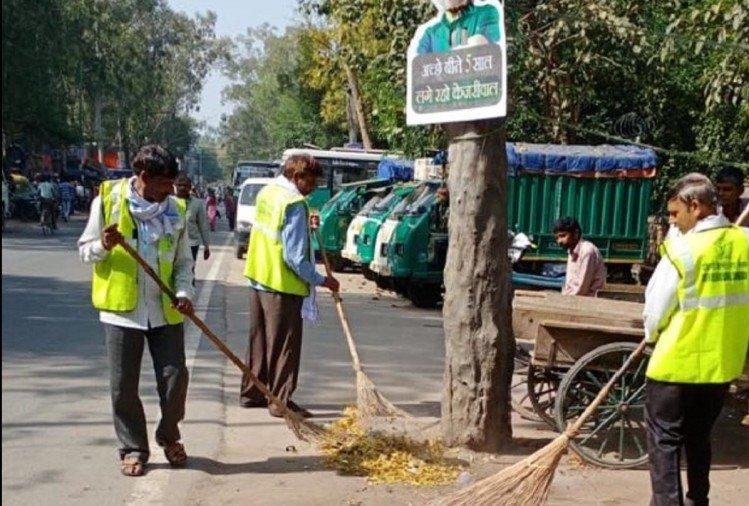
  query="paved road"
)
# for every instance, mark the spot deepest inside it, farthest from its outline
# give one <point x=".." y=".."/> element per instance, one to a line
<point x="58" y="439"/>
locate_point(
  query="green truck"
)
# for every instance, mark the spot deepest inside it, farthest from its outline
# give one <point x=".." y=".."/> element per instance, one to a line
<point x="607" y="188"/>
<point x="411" y="246"/>
<point x="362" y="233"/>
<point x="337" y="213"/>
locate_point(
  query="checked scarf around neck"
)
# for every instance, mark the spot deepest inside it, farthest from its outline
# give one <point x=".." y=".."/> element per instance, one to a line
<point x="154" y="219"/>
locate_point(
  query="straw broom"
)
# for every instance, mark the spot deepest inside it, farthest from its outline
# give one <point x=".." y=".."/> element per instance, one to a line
<point x="527" y="483"/>
<point x="303" y="429"/>
<point x="369" y="400"/>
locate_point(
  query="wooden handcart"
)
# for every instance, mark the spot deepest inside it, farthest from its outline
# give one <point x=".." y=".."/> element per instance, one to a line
<point x="568" y="348"/>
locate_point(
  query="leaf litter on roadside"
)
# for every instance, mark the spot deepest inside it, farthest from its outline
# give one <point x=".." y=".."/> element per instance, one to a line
<point x="385" y="458"/>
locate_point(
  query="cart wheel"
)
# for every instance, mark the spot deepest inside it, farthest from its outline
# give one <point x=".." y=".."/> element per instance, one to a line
<point x="543" y="384"/>
<point x="614" y="436"/>
<point x="520" y="400"/>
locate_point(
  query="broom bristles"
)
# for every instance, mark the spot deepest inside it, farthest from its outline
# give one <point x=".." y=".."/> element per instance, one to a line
<point x="526" y="483"/>
<point x="371" y="402"/>
<point x="306" y="431"/>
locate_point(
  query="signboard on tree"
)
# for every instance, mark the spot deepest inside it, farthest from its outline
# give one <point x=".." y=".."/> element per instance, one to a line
<point x="457" y="67"/>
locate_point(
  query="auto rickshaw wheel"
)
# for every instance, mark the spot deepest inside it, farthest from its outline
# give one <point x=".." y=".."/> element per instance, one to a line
<point x="614" y="436"/>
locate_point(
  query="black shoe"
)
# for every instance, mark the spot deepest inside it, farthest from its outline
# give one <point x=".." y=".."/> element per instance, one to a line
<point x="253" y="404"/>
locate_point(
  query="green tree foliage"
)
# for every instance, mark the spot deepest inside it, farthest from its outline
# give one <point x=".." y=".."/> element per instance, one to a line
<point x="126" y="71"/>
<point x="36" y="94"/>
<point x="275" y="108"/>
<point x="673" y="74"/>
<point x="372" y="37"/>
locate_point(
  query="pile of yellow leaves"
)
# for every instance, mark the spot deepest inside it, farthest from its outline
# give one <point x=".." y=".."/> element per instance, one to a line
<point x="384" y="458"/>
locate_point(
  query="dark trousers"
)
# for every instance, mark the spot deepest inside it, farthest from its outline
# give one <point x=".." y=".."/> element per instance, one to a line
<point x="275" y="345"/>
<point x="194" y="250"/>
<point x="681" y="415"/>
<point x="125" y="350"/>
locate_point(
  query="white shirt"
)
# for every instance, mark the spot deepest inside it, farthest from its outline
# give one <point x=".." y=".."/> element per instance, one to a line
<point x="149" y="312"/>
<point x="660" y="294"/>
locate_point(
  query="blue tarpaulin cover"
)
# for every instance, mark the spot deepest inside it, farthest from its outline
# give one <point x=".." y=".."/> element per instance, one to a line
<point x="401" y="170"/>
<point x="572" y="159"/>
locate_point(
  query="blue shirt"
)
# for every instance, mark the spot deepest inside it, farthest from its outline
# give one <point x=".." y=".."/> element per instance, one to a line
<point x="67" y="192"/>
<point x="296" y="250"/>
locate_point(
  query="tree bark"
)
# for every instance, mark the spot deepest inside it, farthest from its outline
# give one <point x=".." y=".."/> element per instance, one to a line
<point x="351" y="117"/>
<point x="353" y="83"/>
<point x="477" y="321"/>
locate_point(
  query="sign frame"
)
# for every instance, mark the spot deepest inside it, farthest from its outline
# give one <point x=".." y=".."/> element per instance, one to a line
<point x="497" y="110"/>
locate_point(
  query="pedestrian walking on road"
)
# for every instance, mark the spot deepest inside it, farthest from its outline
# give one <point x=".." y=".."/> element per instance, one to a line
<point x="211" y="205"/>
<point x="586" y="271"/>
<point x="280" y="267"/>
<point x="197" y="223"/>
<point x="697" y="314"/>
<point x="141" y="211"/>
<point x="67" y="197"/>
<point x="230" y="206"/>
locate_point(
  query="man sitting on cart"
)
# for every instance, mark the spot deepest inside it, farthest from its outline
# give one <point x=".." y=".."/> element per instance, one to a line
<point x="586" y="271"/>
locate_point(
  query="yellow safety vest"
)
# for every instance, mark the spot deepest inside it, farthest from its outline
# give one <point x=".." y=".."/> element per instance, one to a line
<point x="265" y="264"/>
<point x="706" y="340"/>
<point x="115" y="279"/>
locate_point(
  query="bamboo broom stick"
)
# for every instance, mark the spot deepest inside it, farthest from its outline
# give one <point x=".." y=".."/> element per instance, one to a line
<point x="303" y="429"/>
<point x="369" y="400"/>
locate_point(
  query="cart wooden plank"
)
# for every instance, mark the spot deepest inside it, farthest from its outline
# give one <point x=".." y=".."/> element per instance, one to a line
<point x="562" y="343"/>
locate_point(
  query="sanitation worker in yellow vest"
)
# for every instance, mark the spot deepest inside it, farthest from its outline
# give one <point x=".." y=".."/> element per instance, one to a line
<point x="282" y="277"/>
<point x="134" y="312"/>
<point x="697" y="315"/>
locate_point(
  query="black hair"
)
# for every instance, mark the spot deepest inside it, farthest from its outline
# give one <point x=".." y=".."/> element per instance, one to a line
<point x="184" y="176"/>
<point x="731" y="175"/>
<point x="567" y="224"/>
<point x="155" y="161"/>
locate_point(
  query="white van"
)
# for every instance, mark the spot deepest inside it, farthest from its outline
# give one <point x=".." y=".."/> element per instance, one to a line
<point x="246" y="211"/>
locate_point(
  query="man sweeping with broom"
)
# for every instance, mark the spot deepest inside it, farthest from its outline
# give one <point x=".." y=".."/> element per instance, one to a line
<point x="140" y="213"/>
<point x="697" y="314"/>
<point x="281" y="271"/>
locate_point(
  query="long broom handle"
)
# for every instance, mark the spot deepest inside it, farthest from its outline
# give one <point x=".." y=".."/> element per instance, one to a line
<point x="573" y="429"/>
<point x="203" y="327"/>
<point x="339" y="308"/>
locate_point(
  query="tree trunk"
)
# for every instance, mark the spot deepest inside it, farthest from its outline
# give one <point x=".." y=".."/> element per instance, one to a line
<point x="351" y="116"/>
<point x="478" y="332"/>
<point x="353" y="84"/>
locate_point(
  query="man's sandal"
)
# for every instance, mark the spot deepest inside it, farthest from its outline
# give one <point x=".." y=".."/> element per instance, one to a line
<point x="131" y="466"/>
<point x="175" y="454"/>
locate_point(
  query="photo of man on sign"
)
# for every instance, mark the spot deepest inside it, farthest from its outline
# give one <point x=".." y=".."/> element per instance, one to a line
<point x="456" y="64"/>
<point x="462" y="24"/>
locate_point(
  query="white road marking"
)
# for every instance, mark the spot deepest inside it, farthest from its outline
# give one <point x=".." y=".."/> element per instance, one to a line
<point x="149" y="489"/>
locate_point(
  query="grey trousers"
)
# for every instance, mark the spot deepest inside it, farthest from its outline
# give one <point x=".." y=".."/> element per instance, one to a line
<point x="125" y="349"/>
<point x="275" y="346"/>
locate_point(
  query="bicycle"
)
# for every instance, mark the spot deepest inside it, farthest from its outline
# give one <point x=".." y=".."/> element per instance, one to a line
<point x="47" y="219"/>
